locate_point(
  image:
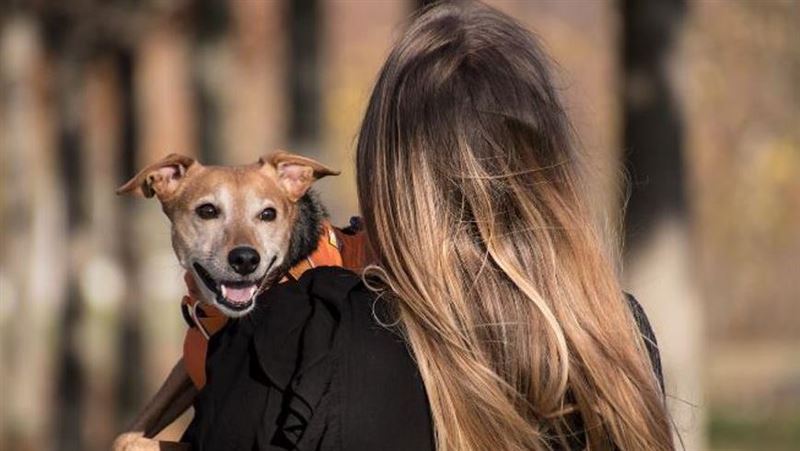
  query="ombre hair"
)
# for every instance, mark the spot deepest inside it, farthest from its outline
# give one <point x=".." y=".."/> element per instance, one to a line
<point x="469" y="186"/>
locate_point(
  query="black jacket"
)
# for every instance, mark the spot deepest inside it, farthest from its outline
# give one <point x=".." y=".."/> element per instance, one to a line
<point x="312" y="368"/>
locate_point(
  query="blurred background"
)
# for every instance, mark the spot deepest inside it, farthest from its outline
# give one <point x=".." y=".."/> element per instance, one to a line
<point x="692" y="108"/>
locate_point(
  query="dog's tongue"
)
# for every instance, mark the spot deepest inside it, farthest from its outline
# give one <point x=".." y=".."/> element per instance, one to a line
<point x="238" y="295"/>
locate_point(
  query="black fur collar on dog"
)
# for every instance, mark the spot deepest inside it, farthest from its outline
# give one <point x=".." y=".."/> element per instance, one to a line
<point x="306" y="230"/>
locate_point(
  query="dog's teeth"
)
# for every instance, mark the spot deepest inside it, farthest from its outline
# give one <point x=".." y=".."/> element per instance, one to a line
<point x="223" y="290"/>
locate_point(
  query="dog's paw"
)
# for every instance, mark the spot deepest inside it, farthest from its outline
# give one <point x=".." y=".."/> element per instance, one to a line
<point x="134" y="441"/>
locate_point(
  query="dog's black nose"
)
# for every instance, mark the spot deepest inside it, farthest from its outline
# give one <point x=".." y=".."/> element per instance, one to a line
<point x="244" y="260"/>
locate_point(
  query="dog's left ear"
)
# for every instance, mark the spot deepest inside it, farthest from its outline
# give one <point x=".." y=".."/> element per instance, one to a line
<point x="295" y="173"/>
<point x="160" y="178"/>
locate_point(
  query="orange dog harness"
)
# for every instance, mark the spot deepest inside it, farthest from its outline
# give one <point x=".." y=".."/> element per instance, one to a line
<point x="335" y="248"/>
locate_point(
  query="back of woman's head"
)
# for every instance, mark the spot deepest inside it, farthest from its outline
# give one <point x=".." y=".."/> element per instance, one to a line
<point x="469" y="187"/>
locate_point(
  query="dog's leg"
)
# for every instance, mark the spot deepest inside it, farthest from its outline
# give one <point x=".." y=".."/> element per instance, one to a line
<point x="171" y="400"/>
<point x="161" y="410"/>
<point x="182" y="399"/>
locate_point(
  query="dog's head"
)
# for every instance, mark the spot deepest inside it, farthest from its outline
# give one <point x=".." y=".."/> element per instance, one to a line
<point x="231" y="225"/>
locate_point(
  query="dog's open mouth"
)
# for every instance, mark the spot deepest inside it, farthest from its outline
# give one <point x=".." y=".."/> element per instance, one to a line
<point x="235" y="295"/>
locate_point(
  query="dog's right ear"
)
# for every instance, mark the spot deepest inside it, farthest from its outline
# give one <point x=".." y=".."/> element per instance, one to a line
<point x="161" y="178"/>
<point x="295" y="173"/>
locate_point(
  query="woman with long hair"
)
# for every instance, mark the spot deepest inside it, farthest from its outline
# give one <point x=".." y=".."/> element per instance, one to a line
<point x="491" y="318"/>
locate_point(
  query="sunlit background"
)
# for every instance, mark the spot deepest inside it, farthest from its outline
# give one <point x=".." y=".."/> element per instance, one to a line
<point x="691" y="107"/>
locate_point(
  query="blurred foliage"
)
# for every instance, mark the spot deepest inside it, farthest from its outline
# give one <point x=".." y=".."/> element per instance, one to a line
<point x="741" y="87"/>
<point x="732" y="431"/>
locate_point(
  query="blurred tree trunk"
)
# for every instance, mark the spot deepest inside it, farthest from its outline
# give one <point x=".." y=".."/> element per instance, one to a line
<point x="33" y="242"/>
<point x="68" y="410"/>
<point x="130" y="372"/>
<point x="102" y="279"/>
<point x="354" y="38"/>
<point x="303" y="82"/>
<point x="659" y="256"/>
<point x="210" y="25"/>
<point x="159" y="119"/>
<point x="255" y="103"/>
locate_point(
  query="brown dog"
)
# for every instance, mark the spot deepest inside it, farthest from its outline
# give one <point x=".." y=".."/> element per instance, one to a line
<point x="236" y="230"/>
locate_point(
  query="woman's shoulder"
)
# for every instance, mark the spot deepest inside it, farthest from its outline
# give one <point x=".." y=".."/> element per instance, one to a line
<point x="327" y="309"/>
<point x="378" y="366"/>
<point x="340" y="338"/>
<point x="298" y="323"/>
<point x="649" y="337"/>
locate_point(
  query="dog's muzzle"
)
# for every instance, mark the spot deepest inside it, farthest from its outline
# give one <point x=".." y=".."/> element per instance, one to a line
<point x="237" y="296"/>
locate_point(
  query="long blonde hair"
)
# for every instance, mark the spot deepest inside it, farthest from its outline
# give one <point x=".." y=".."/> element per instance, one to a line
<point x="469" y="186"/>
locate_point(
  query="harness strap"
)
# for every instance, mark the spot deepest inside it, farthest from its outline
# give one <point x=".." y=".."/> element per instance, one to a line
<point x="204" y="320"/>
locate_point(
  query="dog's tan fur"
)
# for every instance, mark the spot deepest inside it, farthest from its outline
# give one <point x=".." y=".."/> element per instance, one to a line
<point x="240" y="194"/>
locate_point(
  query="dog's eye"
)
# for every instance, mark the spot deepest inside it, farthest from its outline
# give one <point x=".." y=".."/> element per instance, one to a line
<point x="268" y="214"/>
<point x="207" y="211"/>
